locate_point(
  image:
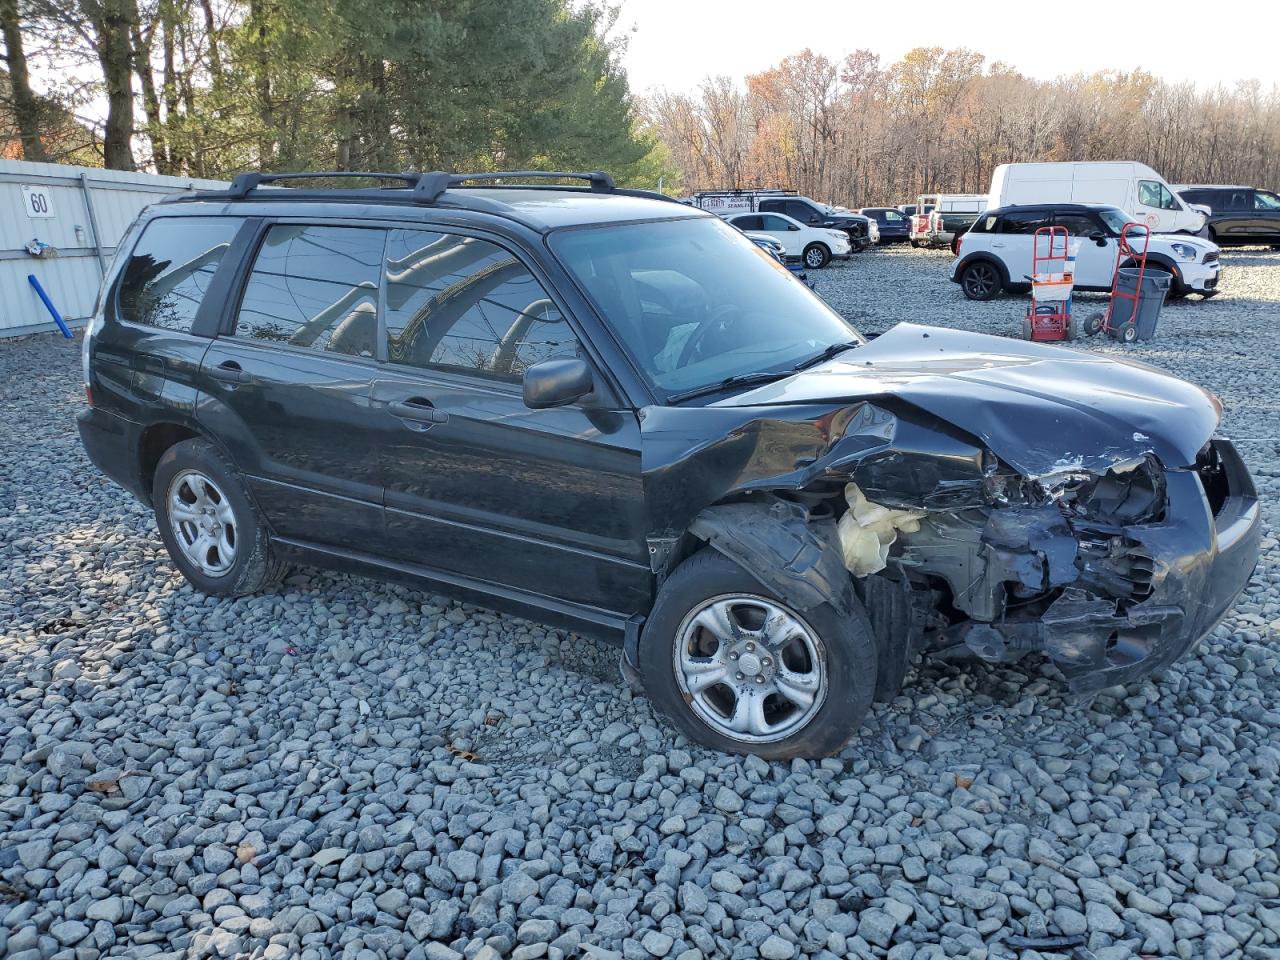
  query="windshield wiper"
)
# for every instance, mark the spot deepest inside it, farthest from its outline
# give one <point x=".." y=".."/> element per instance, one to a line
<point x="737" y="380"/>
<point x="826" y="354"/>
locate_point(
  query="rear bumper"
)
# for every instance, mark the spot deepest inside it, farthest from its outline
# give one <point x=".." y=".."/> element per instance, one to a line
<point x="112" y="445"/>
<point x="1201" y="561"/>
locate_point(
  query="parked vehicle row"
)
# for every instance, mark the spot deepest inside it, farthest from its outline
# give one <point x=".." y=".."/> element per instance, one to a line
<point x="860" y="231"/>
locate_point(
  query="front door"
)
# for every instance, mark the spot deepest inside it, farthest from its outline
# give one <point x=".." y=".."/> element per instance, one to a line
<point x="288" y="390"/>
<point x="1095" y="263"/>
<point x="784" y="230"/>
<point x="478" y="485"/>
<point x="1157" y="207"/>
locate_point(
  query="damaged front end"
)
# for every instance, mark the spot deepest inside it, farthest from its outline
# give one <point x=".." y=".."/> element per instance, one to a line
<point x="1110" y="575"/>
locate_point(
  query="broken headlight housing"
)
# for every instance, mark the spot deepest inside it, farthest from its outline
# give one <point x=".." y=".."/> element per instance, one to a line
<point x="1127" y="493"/>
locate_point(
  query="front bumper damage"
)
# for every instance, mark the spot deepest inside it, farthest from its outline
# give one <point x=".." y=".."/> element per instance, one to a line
<point x="1117" y="603"/>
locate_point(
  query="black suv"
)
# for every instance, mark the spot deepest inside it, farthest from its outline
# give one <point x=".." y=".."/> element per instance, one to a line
<point x="615" y="414"/>
<point x="1240" y="215"/>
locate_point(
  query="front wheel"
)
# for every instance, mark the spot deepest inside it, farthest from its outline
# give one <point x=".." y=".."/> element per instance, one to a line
<point x="737" y="668"/>
<point x="209" y="525"/>
<point x="980" y="280"/>
<point x="816" y="256"/>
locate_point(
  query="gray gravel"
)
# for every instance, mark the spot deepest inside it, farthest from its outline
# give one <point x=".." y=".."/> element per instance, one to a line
<point x="341" y="768"/>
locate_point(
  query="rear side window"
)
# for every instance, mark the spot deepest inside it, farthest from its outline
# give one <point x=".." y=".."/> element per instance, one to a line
<point x="751" y="222"/>
<point x="316" y="287"/>
<point x="464" y="304"/>
<point x="170" y="267"/>
<point x="1023" y="221"/>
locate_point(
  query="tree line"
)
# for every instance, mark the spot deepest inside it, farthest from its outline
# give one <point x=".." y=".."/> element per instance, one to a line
<point x="210" y="87"/>
<point x="859" y="132"/>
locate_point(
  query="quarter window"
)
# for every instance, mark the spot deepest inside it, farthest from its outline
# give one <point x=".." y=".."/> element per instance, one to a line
<point x="170" y="268"/>
<point x="315" y="287"/>
<point x="1153" y="194"/>
<point x="459" y="303"/>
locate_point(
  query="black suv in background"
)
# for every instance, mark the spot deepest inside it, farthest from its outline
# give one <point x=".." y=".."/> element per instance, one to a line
<point x="895" y="226"/>
<point x="613" y="413"/>
<point x="1241" y="215"/>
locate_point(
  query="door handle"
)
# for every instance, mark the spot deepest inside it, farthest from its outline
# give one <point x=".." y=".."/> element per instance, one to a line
<point x="417" y="409"/>
<point x="150" y="364"/>
<point x="229" y="371"/>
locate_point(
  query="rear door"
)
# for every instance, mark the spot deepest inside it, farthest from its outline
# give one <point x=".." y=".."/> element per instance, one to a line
<point x="286" y="386"/>
<point x="148" y="352"/>
<point x="479" y="485"/>
<point x="784" y="230"/>
<point x="1013" y="241"/>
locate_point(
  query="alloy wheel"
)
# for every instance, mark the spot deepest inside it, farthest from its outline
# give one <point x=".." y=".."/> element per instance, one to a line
<point x="750" y="669"/>
<point x="203" y="523"/>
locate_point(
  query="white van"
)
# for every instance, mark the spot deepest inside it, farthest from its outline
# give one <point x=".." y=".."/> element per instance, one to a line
<point x="1133" y="187"/>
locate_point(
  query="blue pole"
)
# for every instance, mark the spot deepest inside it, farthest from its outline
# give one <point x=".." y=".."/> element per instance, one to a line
<point x="57" y="317"/>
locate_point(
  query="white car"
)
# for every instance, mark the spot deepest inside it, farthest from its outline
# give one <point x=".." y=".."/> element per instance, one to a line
<point x="995" y="254"/>
<point x="813" y="245"/>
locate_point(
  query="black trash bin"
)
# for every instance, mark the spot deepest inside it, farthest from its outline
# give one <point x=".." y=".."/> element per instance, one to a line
<point x="1155" y="284"/>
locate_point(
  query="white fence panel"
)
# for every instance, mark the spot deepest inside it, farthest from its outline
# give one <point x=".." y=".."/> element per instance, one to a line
<point x="82" y="212"/>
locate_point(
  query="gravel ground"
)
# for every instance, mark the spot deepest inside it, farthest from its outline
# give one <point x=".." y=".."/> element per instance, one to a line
<point x="342" y="768"/>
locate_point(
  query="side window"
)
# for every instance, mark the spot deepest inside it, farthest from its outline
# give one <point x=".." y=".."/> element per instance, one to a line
<point x="170" y="268"/>
<point x="770" y="206"/>
<point x="1266" y="201"/>
<point x="1199" y="196"/>
<point x="776" y="224"/>
<point x="1240" y="200"/>
<point x="1077" y="224"/>
<point x="1152" y="194"/>
<point x="458" y="303"/>
<point x="802" y="212"/>
<point x="751" y="222"/>
<point x="1023" y="221"/>
<point x="892" y="216"/>
<point x="316" y="287"/>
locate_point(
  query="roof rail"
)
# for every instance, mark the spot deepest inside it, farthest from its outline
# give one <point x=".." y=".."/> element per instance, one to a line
<point x="427" y="187"/>
<point x="244" y="183"/>
<point x="600" y="181"/>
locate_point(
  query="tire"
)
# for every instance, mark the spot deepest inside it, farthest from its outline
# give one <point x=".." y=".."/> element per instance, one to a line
<point x="238" y="558"/>
<point x="816" y="256"/>
<point x="1177" y="289"/>
<point x="1129" y="334"/>
<point x="980" y="280"/>
<point x="836" y="653"/>
<point x="915" y="243"/>
<point x="1074" y="330"/>
<point x="1026" y="328"/>
<point x="1093" y="324"/>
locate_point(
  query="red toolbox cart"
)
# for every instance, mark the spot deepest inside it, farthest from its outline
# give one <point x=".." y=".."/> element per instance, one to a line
<point x="1049" y="317"/>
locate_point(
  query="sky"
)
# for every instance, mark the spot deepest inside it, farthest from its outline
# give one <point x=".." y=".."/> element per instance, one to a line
<point x="676" y="43"/>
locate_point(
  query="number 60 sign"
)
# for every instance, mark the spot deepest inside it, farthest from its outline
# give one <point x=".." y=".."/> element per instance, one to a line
<point x="37" y="202"/>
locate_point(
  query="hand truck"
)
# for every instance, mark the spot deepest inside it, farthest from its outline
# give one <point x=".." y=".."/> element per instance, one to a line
<point x="1127" y="252"/>
<point x="1048" y="317"/>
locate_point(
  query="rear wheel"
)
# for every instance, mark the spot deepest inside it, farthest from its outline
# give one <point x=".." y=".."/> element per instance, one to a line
<point x="1129" y="333"/>
<point x="209" y="525"/>
<point x="737" y="668"/>
<point x="980" y="280"/>
<point x="816" y="256"/>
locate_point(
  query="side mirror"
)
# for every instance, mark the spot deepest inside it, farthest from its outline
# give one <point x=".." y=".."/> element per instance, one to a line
<point x="1099" y="238"/>
<point x="554" y="383"/>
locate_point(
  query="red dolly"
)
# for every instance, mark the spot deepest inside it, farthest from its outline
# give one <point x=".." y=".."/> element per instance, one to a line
<point x="1127" y="252"/>
<point x="1049" y="318"/>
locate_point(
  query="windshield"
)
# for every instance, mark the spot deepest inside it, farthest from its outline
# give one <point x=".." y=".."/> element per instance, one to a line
<point x="695" y="302"/>
<point x="1115" y="219"/>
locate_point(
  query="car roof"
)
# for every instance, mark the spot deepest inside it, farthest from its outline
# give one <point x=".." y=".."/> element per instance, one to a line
<point x="1050" y="207"/>
<point x="540" y="208"/>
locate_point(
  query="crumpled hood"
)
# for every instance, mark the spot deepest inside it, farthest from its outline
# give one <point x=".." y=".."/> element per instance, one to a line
<point x="1040" y="408"/>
